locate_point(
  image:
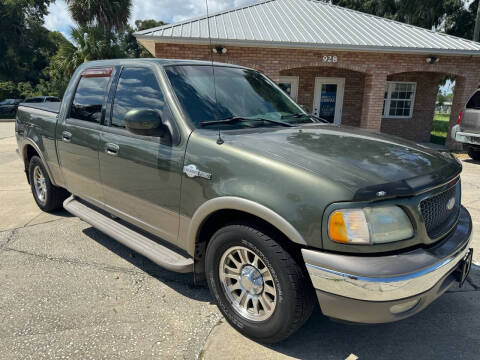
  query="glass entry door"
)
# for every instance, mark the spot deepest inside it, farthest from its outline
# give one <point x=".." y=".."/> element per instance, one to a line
<point x="328" y="99"/>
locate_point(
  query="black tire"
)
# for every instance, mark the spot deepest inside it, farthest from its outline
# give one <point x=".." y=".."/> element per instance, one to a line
<point x="474" y="153"/>
<point x="295" y="295"/>
<point x="53" y="196"/>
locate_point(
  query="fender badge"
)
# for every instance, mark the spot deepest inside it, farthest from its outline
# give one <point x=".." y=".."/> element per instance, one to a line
<point x="192" y="171"/>
<point x="381" y="193"/>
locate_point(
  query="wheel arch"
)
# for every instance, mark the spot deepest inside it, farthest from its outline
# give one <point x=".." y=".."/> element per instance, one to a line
<point x="222" y="210"/>
<point x="30" y="149"/>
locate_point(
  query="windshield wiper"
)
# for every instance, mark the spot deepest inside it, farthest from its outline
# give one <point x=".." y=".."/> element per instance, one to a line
<point x="302" y="115"/>
<point x="234" y="119"/>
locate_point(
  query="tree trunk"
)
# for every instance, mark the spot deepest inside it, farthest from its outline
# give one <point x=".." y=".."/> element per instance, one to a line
<point x="476" y="32"/>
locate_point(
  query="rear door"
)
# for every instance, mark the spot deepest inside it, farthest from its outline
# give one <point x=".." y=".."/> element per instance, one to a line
<point x="80" y="135"/>
<point x="471" y="114"/>
<point x="141" y="174"/>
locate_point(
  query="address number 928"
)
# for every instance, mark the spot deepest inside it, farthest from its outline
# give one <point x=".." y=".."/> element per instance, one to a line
<point x="329" y="59"/>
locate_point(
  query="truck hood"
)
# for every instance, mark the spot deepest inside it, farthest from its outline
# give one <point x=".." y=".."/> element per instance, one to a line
<point x="363" y="162"/>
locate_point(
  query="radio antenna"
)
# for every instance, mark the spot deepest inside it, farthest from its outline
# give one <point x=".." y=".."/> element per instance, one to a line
<point x="219" y="140"/>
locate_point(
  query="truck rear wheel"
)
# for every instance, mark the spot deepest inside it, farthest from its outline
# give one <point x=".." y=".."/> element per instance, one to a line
<point x="47" y="196"/>
<point x="259" y="288"/>
<point x="474" y="152"/>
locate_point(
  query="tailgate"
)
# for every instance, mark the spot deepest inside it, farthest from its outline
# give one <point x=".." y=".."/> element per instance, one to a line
<point x="471" y="121"/>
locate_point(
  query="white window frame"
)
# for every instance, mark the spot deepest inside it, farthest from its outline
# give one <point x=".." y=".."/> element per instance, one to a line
<point x="387" y="101"/>
<point x="293" y="80"/>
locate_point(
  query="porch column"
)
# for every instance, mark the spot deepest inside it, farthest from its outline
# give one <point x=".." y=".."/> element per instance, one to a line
<point x="373" y="95"/>
<point x="464" y="88"/>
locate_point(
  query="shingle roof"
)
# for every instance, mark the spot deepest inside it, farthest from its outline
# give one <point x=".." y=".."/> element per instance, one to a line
<point x="309" y="24"/>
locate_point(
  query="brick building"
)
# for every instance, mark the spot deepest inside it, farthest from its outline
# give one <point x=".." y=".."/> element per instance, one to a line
<point x="351" y="68"/>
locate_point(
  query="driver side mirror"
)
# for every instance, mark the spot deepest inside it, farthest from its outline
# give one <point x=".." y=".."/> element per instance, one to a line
<point x="145" y="122"/>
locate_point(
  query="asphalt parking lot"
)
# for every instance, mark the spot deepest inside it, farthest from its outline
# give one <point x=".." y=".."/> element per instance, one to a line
<point x="69" y="291"/>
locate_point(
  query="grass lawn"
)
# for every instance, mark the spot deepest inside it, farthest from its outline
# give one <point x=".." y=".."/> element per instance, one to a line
<point x="440" y="128"/>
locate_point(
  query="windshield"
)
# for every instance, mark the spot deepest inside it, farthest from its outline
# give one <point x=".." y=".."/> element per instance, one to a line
<point x="233" y="93"/>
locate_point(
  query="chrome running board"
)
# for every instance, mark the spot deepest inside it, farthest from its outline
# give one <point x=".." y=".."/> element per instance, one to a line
<point x="159" y="254"/>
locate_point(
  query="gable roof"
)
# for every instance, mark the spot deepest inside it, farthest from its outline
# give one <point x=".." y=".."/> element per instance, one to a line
<point x="308" y="24"/>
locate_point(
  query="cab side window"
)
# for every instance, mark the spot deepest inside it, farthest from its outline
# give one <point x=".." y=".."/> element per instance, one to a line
<point x="137" y="89"/>
<point x="474" y="102"/>
<point x="89" y="98"/>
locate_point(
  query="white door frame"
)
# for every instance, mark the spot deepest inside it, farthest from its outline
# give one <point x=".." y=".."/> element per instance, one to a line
<point x="340" y="82"/>
<point x="293" y="80"/>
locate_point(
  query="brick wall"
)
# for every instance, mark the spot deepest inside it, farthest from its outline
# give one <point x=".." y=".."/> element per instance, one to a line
<point x="419" y="126"/>
<point x="368" y="69"/>
<point x="353" y="95"/>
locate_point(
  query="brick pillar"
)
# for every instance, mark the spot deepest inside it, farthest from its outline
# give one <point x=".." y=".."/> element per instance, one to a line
<point x="272" y="74"/>
<point x="464" y="88"/>
<point x="373" y="95"/>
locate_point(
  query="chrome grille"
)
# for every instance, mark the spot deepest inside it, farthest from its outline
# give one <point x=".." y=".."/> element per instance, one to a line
<point x="438" y="218"/>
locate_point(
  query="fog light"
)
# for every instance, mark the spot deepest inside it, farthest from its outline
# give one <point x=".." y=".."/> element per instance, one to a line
<point x="404" y="307"/>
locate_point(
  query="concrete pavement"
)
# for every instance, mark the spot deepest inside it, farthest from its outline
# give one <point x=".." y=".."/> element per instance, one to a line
<point x="69" y="291"/>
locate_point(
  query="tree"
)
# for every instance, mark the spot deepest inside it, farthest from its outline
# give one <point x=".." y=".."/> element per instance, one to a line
<point x="107" y="14"/>
<point x="429" y="14"/>
<point x="476" y="32"/>
<point x="450" y="16"/>
<point x="25" y="46"/>
<point x="8" y="90"/>
<point x="129" y="43"/>
<point x="89" y="43"/>
<point x="462" y="23"/>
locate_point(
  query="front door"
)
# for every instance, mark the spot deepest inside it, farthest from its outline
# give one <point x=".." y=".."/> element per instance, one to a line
<point x="141" y="175"/>
<point x="328" y="99"/>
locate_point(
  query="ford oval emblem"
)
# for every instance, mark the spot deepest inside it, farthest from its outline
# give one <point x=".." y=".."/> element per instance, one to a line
<point x="450" y="204"/>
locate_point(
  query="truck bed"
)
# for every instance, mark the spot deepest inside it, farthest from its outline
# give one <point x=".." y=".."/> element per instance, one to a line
<point x="53" y="107"/>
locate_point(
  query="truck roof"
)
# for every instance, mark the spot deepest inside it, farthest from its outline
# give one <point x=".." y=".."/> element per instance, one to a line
<point x="162" y="62"/>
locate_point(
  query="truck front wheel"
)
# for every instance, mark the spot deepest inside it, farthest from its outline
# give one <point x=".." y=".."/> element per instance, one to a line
<point x="257" y="285"/>
<point x="47" y="196"/>
<point x="474" y="152"/>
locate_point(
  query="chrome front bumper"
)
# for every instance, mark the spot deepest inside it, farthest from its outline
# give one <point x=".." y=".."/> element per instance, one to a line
<point x="377" y="279"/>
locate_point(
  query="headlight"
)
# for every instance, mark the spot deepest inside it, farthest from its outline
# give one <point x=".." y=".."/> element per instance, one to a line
<point x="370" y="225"/>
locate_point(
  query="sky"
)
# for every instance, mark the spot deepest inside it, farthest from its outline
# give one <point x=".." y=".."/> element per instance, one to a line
<point x="165" y="10"/>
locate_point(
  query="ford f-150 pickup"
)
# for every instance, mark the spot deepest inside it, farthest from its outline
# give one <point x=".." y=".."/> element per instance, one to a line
<point x="212" y="169"/>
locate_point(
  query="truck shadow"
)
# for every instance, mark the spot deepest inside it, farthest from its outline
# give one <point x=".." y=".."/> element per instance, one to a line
<point x="448" y="329"/>
<point x="181" y="283"/>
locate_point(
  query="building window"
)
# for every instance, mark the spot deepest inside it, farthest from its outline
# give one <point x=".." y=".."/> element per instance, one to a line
<point x="399" y="99"/>
<point x="289" y="84"/>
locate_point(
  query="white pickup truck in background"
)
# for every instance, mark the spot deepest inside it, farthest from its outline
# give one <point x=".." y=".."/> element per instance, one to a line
<point x="467" y="131"/>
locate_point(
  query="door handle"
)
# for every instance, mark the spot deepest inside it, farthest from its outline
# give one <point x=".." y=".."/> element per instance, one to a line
<point x="66" y="136"/>
<point x="112" y="149"/>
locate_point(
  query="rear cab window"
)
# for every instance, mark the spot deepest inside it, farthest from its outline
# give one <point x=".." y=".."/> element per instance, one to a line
<point x="137" y="89"/>
<point x="34" y="100"/>
<point x="474" y="102"/>
<point x="89" y="98"/>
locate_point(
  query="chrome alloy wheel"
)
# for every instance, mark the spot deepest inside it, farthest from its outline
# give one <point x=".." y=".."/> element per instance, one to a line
<point x="39" y="184"/>
<point x="248" y="283"/>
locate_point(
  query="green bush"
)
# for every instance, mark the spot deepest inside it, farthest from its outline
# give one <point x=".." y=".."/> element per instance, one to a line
<point x="8" y="90"/>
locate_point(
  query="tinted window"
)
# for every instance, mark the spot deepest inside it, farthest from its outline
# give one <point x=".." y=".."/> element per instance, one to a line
<point x="235" y="93"/>
<point x="52" y="99"/>
<point x="474" y="102"/>
<point x="137" y="89"/>
<point x="34" y="100"/>
<point x="88" y="101"/>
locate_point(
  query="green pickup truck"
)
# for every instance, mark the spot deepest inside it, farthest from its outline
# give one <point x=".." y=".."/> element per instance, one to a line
<point x="212" y="169"/>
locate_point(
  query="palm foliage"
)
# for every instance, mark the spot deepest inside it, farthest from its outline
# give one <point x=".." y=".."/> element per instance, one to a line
<point x="107" y="14"/>
<point x="89" y="43"/>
